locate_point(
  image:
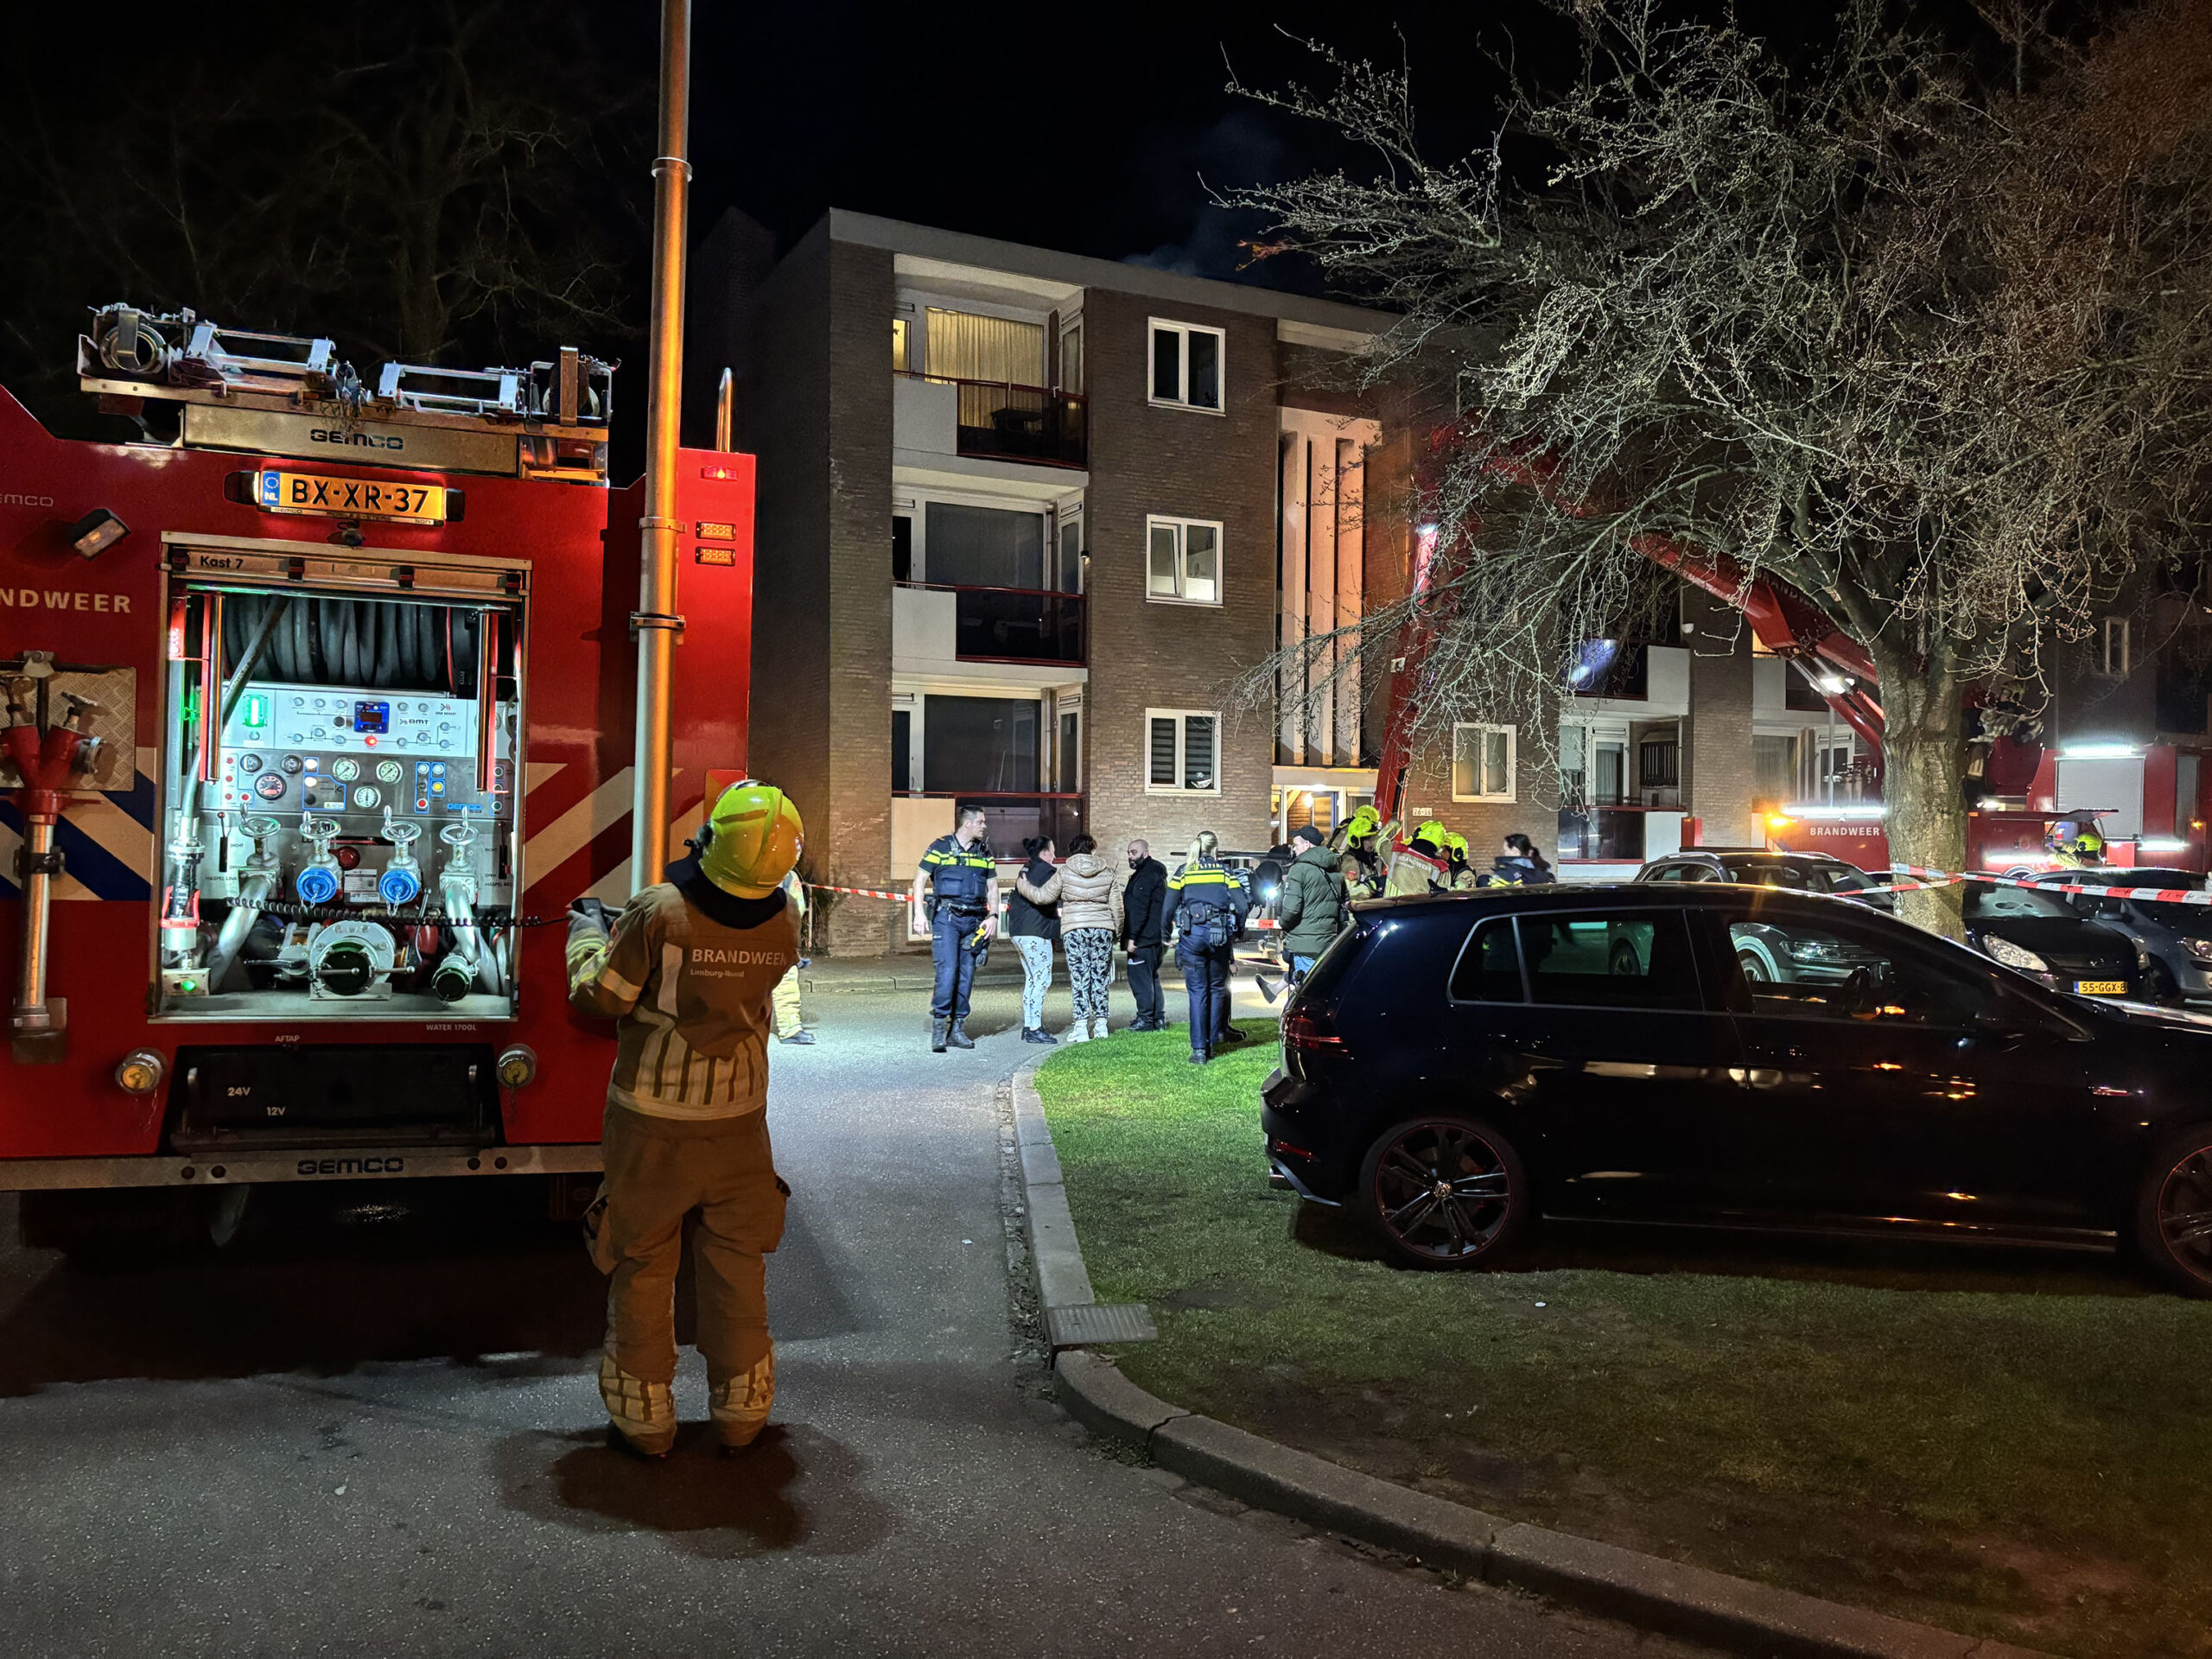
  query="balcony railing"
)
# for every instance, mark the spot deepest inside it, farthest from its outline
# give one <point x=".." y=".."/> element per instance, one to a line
<point x="1014" y="625"/>
<point x="1002" y="421"/>
<point x="1605" y="834"/>
<point x="1012" y="818"/>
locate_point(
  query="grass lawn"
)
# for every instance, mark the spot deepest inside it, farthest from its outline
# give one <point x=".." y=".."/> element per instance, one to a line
<point x="2009" y="1443"/>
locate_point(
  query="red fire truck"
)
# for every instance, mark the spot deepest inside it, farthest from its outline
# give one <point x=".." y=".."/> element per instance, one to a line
<point x="319" y="702"/>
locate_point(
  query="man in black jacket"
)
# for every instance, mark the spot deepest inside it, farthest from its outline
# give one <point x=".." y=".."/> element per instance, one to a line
<point x="1142" y="902"/>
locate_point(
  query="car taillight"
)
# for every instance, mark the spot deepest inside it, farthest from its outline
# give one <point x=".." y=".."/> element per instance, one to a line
<point x="1310" y="1030"/>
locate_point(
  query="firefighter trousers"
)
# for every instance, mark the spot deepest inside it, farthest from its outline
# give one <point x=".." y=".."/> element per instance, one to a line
<point x="658" y="1169"/>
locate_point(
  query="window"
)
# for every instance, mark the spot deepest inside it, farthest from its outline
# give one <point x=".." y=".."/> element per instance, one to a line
<point x="1827" y="972"/>
<point x="1071" y="355"/>
<point x="900" y="362"/>
<point x="1071" y="574"/>
<point x="902" y="751"/>
<point x="2115" y="641"/>
<point x="1638" y="960"/>
<point x="1186" y="365"/>
<point x="1489" y="968"/>
<point x="986" y="744"/>
<point x="1482" y="763"/>
<point x="902" y="547"/>
<point x="1181" y="746"/>
<point x="1184" y="561"/>
<point x="1070" y="754"/>
<point x="965" y="346"/>
<point x="1656" y="762"/>
<point x="982" y="547"/>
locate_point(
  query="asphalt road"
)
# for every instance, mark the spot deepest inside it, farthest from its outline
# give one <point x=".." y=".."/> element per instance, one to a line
<point x="372" y="1428"/>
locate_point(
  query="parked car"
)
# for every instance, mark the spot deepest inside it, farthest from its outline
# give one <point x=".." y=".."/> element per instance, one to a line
<point x="2036" y="932"/>
<point x="2040" y="934"/>
<point x="1455" y="1067"/>
<point x="1754" y="867"/>
<point x="2175" y="939"/>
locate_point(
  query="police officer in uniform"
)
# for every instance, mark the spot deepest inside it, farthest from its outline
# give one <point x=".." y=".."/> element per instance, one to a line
<point x="1206" y="904"/>
<point x="958" y="881"/>
<point x="688" y="972"/>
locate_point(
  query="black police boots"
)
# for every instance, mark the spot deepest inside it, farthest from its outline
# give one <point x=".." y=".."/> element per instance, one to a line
<point x="958" y="1037"/>
<point x="937" y="1029"/>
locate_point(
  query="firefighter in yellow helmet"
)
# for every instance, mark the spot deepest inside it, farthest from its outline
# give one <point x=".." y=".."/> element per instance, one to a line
<point x="1462" y="878"/>
<point x="1418" y="865"/>
<point x="2075" y="846"/>
<point x="688" y="972"/>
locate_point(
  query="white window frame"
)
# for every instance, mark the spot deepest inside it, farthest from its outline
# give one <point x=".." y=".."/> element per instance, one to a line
<point x="2115" y="663"/>
<point x="1181" y="716"/>
<point x="1182" y="528"/>
<point x="1154" y="326"/>
<point x="1511" y="793"/>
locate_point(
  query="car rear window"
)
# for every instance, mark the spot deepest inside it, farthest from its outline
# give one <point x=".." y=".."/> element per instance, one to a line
<point x="1489" y="970"/>
<point x="1637" y="960"/>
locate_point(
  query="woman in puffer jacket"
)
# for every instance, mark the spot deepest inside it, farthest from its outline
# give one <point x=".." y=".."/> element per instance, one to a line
<point x="1091" y="921"/>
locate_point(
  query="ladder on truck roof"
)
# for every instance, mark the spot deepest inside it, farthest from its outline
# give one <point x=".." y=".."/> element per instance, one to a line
<point x="557" y="410"/>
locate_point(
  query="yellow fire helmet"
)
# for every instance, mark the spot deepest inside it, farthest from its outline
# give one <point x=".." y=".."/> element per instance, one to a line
<point x="1433" y="831"/>
<point x="752" y="840"/>
<point x="2089" y="841"/>
<point x="1364" y="823"/>
<point x="1456" y="844"/>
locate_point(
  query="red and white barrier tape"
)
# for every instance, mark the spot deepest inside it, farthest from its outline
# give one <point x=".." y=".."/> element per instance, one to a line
<point x="1927" y="878"/>
<point x="903" y="898"/>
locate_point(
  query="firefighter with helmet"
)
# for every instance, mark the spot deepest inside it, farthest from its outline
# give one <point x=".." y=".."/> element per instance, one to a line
<point x="688" y="971"/>
<point x="2075" y="846"/>
<point x="1462" y="878"/>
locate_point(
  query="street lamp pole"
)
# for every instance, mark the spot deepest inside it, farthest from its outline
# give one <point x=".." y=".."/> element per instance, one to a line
<point x="656" y="622"/>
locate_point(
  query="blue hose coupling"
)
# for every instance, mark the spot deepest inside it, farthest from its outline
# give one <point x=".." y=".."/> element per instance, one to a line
<point x="397" y="887"/>
<point x="317" y="885"/>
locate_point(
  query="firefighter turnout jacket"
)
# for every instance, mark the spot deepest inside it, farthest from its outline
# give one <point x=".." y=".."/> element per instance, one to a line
<point x="686" y="974"/>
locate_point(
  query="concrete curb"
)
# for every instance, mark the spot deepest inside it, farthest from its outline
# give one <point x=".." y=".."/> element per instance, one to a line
<point x="1647" y="1590"/>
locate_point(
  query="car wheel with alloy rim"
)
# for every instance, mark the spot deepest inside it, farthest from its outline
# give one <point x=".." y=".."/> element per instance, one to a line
<point x="2173" y="1211"/>
<point x="1444" y="1192"/>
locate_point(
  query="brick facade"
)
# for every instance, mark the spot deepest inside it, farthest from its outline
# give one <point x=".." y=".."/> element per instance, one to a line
<point x="1145" y="654"/>
<point x="816" y="411"/>
<point x="1720" y="772"/>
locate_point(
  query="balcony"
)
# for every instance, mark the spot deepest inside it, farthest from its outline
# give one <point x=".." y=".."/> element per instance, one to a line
<point x="1009" y="818"/>
<point x="1617" y="835"/>
<point x="1030" y="626"/>
<point x="990" y="420"/>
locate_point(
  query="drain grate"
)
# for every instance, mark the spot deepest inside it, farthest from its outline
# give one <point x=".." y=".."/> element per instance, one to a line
<point x="1089" y="1322"/>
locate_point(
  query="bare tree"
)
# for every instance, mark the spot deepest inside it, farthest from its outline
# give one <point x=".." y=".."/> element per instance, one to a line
<point x="438" y="180"/>
<point x="1922" y="331"/>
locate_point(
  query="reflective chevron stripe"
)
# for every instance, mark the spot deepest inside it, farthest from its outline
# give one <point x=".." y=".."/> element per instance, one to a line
<point x="107" y="842"/>
<point x="557" y="835"/>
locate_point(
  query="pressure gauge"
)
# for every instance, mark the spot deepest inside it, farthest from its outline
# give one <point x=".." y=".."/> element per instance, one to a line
<point x="389" y="770"/>
<point x="365" y="797"/>
<point x="345" y="771"/>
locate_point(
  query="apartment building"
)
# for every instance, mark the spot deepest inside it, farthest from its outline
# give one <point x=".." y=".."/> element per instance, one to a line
<point x="1024" y="521"/>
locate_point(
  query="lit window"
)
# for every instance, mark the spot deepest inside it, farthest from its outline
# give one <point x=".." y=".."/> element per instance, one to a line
<point x="1482" y="762"/>
<point x="1187" y="365"/>
<point x="899" y="362"/>
<point x="1182" y="560"/>
<point x="1183" y="747"/>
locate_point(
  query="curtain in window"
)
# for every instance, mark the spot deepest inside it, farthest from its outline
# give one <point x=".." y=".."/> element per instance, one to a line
<point x="1198" y="752"/>
<point x="964" y="346"/>
<point x="1163" y="753"/>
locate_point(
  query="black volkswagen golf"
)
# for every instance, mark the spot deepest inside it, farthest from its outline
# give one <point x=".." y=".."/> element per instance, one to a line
<point x="1454" y="1067"/>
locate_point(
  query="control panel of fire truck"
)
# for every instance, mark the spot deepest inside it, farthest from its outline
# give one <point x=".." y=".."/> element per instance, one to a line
<point x="342" y="824"/>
